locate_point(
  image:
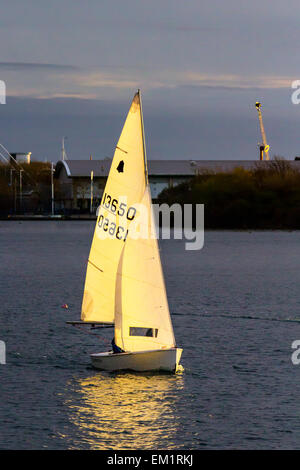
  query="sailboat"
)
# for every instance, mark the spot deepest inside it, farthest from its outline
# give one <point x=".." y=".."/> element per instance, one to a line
<point x="124" y="285"/>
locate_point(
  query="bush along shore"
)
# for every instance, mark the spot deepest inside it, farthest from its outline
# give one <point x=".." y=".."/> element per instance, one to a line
<point x="267" y="197"/>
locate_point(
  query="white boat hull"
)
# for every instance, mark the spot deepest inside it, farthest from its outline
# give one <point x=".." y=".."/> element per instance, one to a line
<point x="156" y="360"/>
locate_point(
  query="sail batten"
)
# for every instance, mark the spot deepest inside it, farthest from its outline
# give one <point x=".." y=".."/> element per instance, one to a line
<point x="97" y="267"/>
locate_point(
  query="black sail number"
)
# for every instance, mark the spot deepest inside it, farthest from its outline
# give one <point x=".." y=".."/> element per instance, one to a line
<point x="131" y="213"/>
<point x="107" y="203"/>
<point x="112" y="204"/>
<point x="105" y="225"/>
<point x="118" y="231"/>
<point x="122" y="209"/>
<point x="116" y="208"/>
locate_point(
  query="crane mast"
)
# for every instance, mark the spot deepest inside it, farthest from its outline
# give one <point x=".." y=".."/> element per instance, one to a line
<point x="264" y="147"/>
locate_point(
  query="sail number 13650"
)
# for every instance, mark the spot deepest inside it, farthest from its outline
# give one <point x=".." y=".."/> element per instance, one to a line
<point x="118" y="209"/>
<point x="113" y="205"/>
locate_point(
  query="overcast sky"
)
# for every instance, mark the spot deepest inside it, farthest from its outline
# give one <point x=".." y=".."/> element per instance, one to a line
<point x="71" y="69"/>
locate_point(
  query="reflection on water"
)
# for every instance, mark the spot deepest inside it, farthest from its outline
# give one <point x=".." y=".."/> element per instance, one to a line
<point x="126" y="411"/>
<point x="239" y="389"/>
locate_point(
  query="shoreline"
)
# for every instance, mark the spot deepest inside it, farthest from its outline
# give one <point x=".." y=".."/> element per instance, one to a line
<point x="48" y="217"/>
<point x="85" y="218"/>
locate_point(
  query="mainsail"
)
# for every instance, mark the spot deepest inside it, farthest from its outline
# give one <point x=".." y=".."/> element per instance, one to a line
<point x="124" y="281"/>
<point x="124" y="187"/>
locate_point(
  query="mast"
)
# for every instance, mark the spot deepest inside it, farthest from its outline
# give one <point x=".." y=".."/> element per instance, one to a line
<point x="144" y="143"/>
<point x="52" y="190"/>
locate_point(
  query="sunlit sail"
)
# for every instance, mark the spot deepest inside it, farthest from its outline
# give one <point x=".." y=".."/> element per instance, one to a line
<point x="142" y="318"/>
<point x="125" y="186"/>
<point x="124" y="281"/>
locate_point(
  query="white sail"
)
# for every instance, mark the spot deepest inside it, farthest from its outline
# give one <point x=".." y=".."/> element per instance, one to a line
<point x="125" y="186"/>
<point x="142" y="319"/>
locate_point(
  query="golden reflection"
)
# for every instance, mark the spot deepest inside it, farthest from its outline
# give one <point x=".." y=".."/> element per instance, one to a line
<point x="127" y="411"/>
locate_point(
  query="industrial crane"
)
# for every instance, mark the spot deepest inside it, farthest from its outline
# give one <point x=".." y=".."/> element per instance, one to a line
<point x="264" y="147"/>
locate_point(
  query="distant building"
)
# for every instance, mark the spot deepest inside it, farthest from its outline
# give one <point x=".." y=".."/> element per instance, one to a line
<point x="74" y="177"/>
<point x="21" y="157"/>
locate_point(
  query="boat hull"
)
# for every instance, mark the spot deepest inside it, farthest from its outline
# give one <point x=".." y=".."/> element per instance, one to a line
<point x="140" y="361"/>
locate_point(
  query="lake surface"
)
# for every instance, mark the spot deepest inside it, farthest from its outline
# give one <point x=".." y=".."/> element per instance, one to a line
<point x="235" y="306"/>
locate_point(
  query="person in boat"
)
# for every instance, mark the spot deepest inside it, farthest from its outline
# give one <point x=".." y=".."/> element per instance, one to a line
<point x="116" y="349"/>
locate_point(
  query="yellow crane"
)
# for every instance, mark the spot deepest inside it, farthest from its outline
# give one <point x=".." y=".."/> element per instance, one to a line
<point x="264" y="147"/>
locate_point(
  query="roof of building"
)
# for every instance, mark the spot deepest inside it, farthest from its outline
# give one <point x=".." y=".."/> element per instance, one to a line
<point x="83" y="168"/>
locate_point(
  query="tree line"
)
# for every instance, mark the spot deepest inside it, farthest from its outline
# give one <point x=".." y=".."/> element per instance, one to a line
<point x="25" y="188"/>
<point x="265" y="197"/>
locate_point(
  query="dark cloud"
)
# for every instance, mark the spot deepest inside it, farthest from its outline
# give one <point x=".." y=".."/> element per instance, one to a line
<point x="219" y="127"/>
<point x="15" y="66"/>
<point x="193" y="60"/>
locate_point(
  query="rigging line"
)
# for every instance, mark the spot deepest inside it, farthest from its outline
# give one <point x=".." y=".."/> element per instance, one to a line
<point x="242" y="317"/>
<point x="15" y="169"/>
<point x="144" y="141"/>
<point x="6" y="159"/>
<point x="101" y="327"/>
<point x="8" y="153"/>
<point x="17" y="163"/>
<point x="87" y="332"/>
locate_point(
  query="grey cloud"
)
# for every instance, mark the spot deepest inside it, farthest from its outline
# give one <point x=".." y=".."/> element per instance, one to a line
<point x="36" y="66"/>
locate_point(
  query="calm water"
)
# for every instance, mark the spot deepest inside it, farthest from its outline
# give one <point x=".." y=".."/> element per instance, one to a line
<point x="232" y="304"/>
